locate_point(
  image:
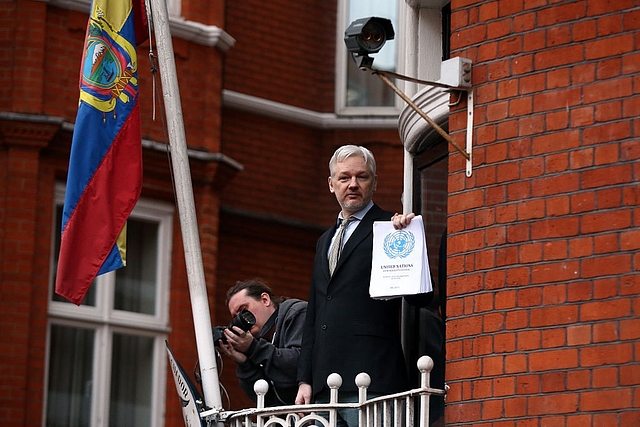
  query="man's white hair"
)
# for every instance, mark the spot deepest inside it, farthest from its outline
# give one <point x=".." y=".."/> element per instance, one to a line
<point x="347" y="151"/>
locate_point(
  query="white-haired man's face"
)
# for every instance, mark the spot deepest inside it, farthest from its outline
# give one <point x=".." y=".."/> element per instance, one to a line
<point x="353" y="184"/>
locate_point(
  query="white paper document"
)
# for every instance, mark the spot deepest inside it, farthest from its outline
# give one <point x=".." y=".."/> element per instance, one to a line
<point x="400" y="262"/>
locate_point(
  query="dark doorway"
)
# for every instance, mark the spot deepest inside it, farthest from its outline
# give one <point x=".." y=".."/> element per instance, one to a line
<point x="424" y="326"/>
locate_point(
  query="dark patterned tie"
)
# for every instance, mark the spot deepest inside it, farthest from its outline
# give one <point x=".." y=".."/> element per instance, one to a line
<point x="336" y="246"/>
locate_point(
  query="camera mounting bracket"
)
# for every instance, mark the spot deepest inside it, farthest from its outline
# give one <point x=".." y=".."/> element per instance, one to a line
<point x="461" y="70"/>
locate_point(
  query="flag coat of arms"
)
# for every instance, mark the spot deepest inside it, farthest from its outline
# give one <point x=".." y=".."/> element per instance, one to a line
<point x="105" y="166"/>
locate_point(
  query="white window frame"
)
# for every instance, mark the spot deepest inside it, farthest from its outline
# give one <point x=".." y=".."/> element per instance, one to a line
<point x="342" y="57"/>
<point x="174" y="8"/>
<point x="106" y="321"/>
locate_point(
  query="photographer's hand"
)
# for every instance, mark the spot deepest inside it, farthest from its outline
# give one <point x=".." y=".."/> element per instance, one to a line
<point x="239" y="339"/>
<point x="235" y="355"/>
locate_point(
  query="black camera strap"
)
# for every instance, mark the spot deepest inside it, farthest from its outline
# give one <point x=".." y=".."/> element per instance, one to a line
<point x="269" y="329"/>
<point x="268" y="332"/>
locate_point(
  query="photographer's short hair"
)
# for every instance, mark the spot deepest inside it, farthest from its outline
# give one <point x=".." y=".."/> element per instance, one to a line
<point x="255" y="288"/>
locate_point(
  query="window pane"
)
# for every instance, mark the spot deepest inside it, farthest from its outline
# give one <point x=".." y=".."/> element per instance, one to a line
<point x="363" y="88"/>
<point x="70" y="377"/>
<point x="367" y="90"/>
<point x="90" y="297"/>
<point x="131" y="385"/>
<point x="135" y="288"/>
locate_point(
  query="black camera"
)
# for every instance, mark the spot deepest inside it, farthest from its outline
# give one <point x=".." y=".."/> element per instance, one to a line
<point x="243" y="320"/>
<point x="368" y="35"/>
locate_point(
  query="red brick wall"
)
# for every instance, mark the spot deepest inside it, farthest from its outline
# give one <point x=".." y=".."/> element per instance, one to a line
<point x="284" y="51"/>
<point x="544" y="323"/>
<point x="23" y="270"/>
<point x="7" y="30"/>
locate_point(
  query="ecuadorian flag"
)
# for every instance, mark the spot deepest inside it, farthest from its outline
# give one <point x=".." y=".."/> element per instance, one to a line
<point x="105" y="166"/>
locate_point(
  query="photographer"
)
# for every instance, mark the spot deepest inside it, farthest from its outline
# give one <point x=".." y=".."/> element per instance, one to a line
<point x="270" y="349"/>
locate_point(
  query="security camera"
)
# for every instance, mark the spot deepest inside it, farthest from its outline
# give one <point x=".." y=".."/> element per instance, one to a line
<point x="366" y="36"/>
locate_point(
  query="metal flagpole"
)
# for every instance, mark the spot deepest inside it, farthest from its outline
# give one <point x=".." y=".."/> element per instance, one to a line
<point x="186" y="206"/>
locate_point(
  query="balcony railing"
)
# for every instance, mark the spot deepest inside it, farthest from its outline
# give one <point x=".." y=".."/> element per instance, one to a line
<point x="406" y="409"/>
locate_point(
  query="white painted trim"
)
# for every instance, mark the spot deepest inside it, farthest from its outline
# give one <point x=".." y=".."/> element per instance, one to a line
<point x="196" y="32"/>
<point x="438" y="4"/>
<point x="413" y="128"/>
<point x="302" y="116"/>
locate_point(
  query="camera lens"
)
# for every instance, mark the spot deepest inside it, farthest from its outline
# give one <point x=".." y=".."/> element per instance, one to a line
<point x="372" y="36"/>
<point x="243" y="320"/>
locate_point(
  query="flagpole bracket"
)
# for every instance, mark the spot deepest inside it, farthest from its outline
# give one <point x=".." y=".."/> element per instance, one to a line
<point x="469" y="147"/>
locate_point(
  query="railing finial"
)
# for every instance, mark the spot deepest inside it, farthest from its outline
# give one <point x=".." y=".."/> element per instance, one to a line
<point x="261" y="387"/>
<point x="425" y="364"/>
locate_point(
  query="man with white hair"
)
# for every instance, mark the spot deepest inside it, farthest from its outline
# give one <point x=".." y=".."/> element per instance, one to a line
<point x="346" y="331"/>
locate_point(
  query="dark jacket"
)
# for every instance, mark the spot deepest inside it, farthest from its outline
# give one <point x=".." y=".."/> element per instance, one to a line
<point x="276" y="363"/>
<point x="347" y="331"/>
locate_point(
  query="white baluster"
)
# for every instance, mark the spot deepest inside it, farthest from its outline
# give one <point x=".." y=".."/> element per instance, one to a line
<point x="334" y="381"/>
<point x="425" y="365"/>
<point x="363" y="381"/>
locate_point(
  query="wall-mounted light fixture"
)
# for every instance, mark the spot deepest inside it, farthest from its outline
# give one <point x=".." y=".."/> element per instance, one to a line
<point x="366" y="36"/>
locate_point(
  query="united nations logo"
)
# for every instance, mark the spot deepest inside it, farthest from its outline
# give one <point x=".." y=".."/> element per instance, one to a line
<point x="399" y="244"/>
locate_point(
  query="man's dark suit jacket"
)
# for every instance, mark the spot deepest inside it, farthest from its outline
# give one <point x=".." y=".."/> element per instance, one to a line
<point x="346" y="331"/>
